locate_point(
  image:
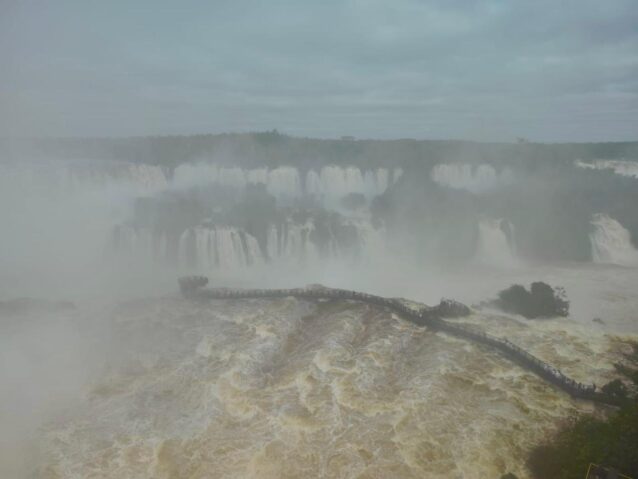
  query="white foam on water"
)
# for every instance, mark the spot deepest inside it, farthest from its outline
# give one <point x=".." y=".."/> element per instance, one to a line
<point x="295" y="389"/>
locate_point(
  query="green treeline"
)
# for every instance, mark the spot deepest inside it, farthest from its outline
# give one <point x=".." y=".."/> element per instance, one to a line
<point x="273" y="148"/>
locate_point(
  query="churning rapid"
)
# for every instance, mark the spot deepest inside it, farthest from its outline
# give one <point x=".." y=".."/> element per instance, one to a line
<point x="288" y="388"/>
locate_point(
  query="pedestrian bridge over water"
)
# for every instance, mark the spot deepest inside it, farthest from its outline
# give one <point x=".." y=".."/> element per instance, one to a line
<point x="431" y="317"/>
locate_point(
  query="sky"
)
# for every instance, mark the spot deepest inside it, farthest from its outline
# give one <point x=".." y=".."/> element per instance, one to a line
<point x="491" y="70"/>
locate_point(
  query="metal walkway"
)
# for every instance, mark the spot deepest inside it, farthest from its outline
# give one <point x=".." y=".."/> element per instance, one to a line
<point x="428" y="316"/>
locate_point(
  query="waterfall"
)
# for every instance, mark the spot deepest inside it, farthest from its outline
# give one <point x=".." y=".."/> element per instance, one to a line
<point x="375" y="182"/>
<point x="372" y="240"/>
<point x="284" y="182"/>
<point x="294" y="242"/>
<point x="611" y="242"/>
<point x="68" y="177"/>
<point x="225" y="245"/>
<point x="205" y="254"/>
<point x="496" y="243"/>
<point x="205" y="248"/>
<point x="280" y="182"/>
<point x="334" y="182"/>
<point x="329" y="183"/>
<point x="314" y="185"/>
<point x="219" y="247"/>
<point x="253" y="250"/>
<point x="230" y="248"/>
<point x="620" y="167"/>
<point x="469" y="177"/>
<point x="91" y="174"/>
<point x="291" y="242"/>
<point x="272" y="243"/>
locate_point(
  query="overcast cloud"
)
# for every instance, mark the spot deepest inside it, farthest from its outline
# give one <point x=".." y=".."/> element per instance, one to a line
<point x="490" y="70"/>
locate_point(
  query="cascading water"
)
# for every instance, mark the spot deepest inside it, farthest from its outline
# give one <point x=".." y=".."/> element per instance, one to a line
<point x="372" y="241"/>
<point x="209" y="247"/>
<point x="253" y="251"/>
<point x="230" y="248"/>
<point x="336" y="182"/>
<point x="496" y="243"/>
<point x="284" y="182"/>
<point x="291" y="242"/>
<point x="611" y="242"/>
<point x="66" y="177"/>
<point x="205" y="247"/>
<point x="330" y="183"/>
<point x="620" y="167"/>
<point x="218" y="247"/>
<point x="201" y="248"/>
<point x="469" y="177"/>
<point x="147" y="177"/>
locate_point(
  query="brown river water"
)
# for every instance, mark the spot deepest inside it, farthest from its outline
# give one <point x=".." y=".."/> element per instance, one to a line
<point x="290" y="389"/>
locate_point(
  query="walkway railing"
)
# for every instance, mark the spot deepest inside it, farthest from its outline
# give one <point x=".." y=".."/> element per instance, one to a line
<point x="428" y="316"/>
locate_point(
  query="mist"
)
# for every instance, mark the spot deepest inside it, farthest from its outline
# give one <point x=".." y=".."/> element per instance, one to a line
<point x="87" y="240"/>
<point x="415" y="151"/>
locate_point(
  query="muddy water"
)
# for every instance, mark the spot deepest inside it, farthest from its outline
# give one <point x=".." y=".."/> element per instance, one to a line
<point x="289" y="389"/>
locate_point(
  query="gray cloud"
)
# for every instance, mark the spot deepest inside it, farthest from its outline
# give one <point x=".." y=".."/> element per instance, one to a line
<point x="551" y="71"/>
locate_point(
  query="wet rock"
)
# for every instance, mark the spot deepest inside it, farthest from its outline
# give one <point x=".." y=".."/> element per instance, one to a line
<point x="540" y="301"/>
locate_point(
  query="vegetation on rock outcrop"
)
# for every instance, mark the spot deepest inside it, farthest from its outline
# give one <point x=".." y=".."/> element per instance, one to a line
<point x="611" y="442"/>
<point x="540" y="301"/>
